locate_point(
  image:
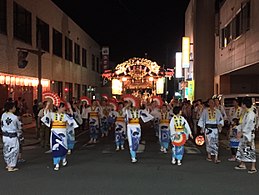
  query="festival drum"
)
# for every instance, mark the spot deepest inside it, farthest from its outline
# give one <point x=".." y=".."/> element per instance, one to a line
<point x="199" y="140"/>
<point x="180" y="141"/>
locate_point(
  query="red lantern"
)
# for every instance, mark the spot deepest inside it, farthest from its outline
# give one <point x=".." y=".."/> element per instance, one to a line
<point x="199" y="140"/>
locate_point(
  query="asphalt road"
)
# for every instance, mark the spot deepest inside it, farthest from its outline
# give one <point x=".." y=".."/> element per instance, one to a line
<point x="100" y="170"/>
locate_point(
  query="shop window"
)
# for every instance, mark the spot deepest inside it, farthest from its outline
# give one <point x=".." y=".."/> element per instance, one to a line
<point x="42" y="34"/>
<point x="84" y="90"/>
<point x="68" y="91"/>
<point x="57" y="43"/>
<point x="21" y="23"/>
<point x="78" y="90"/>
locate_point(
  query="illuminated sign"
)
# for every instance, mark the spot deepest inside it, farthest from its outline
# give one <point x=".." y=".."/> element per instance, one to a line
<point x="185" y="52"/>
<point x="178" y="65"/>
<point x="191" y="90"/>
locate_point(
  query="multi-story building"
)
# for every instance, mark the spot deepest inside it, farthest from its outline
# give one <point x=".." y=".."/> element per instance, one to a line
<point x="199" y="27"/>
<point x="71" y="59"/>
<point x="225" y="46"/>
<point x="237" y="47"/>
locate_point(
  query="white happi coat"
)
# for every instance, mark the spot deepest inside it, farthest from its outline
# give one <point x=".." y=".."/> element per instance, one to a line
<point x="246" y="149"/>
<point x="235" y="113"/>
<point x="210" y="126"/>
<point x="133" y="128"/>
<point x="11" y="124"/>
<point x="120" y="120"/>
<point x="58" y="138"/>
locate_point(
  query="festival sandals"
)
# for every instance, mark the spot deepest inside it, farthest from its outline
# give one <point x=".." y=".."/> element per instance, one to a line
<point x="239" y="167"/>
<point x="251" y="171"/>
<point x="217" y="161"/>
<point x="12" y="169"/>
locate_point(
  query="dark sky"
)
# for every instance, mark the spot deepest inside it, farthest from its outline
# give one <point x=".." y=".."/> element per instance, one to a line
<point x="131" y="27"/>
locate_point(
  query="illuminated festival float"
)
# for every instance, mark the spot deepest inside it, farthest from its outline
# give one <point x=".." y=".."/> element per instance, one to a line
<point x="140" y="77"/>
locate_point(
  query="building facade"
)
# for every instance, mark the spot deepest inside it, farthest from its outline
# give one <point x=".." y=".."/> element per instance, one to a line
<point x="199" y="27"/>
<point x="237" y="48"/>
<point x="225" y="46"/>
<point x="71" y="59"/>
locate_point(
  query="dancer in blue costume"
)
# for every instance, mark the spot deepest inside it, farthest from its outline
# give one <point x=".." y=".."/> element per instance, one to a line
<point x="179" y="128"/>
<point x="58" y="122"/>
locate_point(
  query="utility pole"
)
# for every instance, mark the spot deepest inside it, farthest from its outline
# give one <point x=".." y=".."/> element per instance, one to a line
<point x="39" y="53"/>
<point x="39" y="94"/>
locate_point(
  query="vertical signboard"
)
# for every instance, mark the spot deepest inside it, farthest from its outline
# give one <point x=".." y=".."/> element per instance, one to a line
<point x="178" y="65"/>
<point x="191" y="90"/>
<point x="105" y="58"/>
<point x="185" y="52"/>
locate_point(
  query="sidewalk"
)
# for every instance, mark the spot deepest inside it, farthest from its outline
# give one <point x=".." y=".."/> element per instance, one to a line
<point x="29" y="133"/>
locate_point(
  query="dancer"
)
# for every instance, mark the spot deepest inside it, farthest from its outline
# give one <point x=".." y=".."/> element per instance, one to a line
<point x="11" y="130"/>
<point x="58" y="122"/>
<point x="71" y="129"/>
<point x="164" y="131"/>
<point x="211" y="123"/>
<point x="246" y="133"/>
<point x="180" y="131"/>
<point x="120" y="127"/>
<point x="104" y="113"/>
<point x="133" y="127"/>
<point x="233" y="139"/>
<point x="93" y="119"/>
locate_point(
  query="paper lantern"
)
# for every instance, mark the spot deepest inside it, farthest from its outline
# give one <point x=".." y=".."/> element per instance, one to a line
<point x="7" y="80"/>
<point x="160" y="86"/>
<point x="199" y="140"/>
<point x="17" y="81"/>
<point x="2" y="79"/>
<point x="116" y="87"/>
<point x="12" y="80"/>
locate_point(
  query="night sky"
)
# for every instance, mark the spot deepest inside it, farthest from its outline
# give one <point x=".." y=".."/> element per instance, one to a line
<point x="132" y="28"/>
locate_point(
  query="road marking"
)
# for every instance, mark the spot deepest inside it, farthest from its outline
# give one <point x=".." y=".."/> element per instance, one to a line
<point x="141" y="148"/>
<point x="191" y="150"/>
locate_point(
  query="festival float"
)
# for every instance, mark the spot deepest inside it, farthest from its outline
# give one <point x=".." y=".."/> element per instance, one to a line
<point x="139" y="78"/>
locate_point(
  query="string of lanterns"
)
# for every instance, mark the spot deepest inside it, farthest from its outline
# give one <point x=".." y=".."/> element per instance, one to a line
<point x="22" y="81"/>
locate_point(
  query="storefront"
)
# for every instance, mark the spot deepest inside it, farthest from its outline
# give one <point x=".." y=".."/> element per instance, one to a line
<point x="14" y="86"/>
